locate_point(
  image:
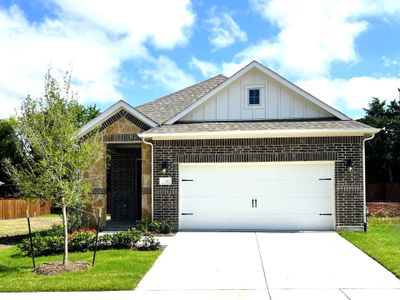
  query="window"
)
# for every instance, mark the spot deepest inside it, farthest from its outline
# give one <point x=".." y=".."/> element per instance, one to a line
<point x="254" y="96"/>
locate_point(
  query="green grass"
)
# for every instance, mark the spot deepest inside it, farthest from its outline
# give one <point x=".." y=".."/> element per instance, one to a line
<point x="15" y="227"/>
<point x="114" y="270"/>
<point x="381" y="242"/>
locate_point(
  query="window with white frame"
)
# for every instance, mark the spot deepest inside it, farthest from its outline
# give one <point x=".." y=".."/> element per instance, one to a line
<point x="254" y="97"/>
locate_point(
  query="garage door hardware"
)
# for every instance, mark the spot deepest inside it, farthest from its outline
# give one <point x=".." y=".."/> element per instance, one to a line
<point x="325" y="214"/>
<point x="325" y="179"/>
<point x="253" y="202"/>
<point x="187" y="179"/>
<point x="187" y="214"/>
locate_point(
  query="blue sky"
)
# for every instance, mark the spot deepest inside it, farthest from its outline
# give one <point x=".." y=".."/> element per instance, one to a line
<point x="343" y="51"/>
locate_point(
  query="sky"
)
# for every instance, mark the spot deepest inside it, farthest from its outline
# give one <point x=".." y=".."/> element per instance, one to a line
<point x="344" y="52"/>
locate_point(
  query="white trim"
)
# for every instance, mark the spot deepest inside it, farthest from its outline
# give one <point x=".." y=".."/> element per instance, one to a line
<point x="281" y="80"/>
<point x="152" y="177"/>
<point x="257" y="134"/>
<point x="121" y="104"/>
<point x="260" y="88"/>
<point x="330" y="163"/>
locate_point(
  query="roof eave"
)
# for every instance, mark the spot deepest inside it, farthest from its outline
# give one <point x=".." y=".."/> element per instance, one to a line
<point x="110" y="112"/>
<point x="259" y="134"/>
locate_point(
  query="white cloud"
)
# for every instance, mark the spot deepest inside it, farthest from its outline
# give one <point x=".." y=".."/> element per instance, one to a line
<point x="312" y="34"/>
<point x="167" y="74"/>
<point x="354" y="93"/>
<point x="207" y="69"/>
<point x="224" y="30"/>
<point x="387" y="61"/>
<point x="91" y="38"/>
<point x="165" y="23"/>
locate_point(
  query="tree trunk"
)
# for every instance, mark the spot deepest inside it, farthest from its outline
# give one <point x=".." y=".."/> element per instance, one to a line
<point x="65" y="224"/>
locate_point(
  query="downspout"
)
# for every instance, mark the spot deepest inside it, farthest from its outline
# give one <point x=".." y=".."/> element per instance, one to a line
<point x="365" y="183"/>
<point x="152" y="177"/>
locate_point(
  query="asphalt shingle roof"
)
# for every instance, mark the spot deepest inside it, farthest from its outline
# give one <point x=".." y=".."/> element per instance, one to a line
<point x="164" y="108"/>
<point x="257" y="125"/>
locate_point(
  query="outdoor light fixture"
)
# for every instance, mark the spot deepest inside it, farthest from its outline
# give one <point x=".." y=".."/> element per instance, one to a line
<point x="164" y="167"/>
<point x="349" y="165"/>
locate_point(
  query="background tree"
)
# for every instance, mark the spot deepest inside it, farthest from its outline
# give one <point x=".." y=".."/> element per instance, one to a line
<point x="85" y="114"/>
<point x="8" y="150"/>
<point x="52" y="157"/>
<point x="383" y="152"/>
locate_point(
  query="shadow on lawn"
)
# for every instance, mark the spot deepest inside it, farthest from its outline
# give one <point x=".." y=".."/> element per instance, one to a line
<point x="12" y="240"/>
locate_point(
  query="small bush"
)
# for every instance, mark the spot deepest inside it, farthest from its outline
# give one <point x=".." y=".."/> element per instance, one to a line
<point x="42" y="245"/>
<point x="160" y="227"/>
<point x="55" y="230"/>
<point x="148" y="243"/>
<point x="80" y="241"/>
<point x="142" y="225"/>
<point x="125" y="239"/>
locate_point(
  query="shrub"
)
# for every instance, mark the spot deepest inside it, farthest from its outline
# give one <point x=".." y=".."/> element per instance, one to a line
<point x="160" y="227"/>
<point x="125" y="239"/>
<point x="147" y="243"/>
<point x="81" y="241"/>
<point x="84" y="240"/>
<point x="142" y="225"/>
<point x="55" y="230"/>
<point x="42" y="245"/>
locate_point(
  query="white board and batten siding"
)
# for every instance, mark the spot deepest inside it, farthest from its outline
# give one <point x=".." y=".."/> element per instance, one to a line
<point x="277" y="102"/>
<point x="257" y="196"/>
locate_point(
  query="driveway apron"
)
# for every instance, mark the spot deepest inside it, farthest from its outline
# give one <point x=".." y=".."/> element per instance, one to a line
<point x="248" y="265"/>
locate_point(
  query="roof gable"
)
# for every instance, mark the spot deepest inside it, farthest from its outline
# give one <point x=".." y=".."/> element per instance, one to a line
<point x="318" y="108"/>
<point x="115" y="112"/>
<point x="165" y="108"/>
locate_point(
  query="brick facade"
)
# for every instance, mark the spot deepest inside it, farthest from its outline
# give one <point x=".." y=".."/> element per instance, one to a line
<point x="348" y="185"/>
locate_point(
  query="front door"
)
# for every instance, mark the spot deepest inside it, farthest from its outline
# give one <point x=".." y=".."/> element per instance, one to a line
<point x="124" y="184"/>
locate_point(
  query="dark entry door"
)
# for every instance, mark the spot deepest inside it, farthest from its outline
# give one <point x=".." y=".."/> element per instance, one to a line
<point x="124" y="185"/>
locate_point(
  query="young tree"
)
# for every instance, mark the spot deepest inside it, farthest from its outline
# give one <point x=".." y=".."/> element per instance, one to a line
<point x="52" y="156"/>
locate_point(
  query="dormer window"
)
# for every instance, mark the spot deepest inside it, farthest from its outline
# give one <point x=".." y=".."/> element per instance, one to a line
<point x="254" y="96"/>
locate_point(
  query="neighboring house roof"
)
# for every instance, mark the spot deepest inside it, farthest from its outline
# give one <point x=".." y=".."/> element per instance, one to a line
<point x="269" y="72"/>
<point x="113" y="110"/>
<point x="165" y="108"/>
<point x="259" y="129"/>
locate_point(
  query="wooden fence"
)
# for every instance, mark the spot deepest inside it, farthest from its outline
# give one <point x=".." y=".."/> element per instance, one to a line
<point x="16" y="208"/>
<point x="383" y="192"/>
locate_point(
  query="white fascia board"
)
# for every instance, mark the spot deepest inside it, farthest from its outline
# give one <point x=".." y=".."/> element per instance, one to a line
<point x="110" y="112"/>
<point x="258" y="134"/>
<point x="275" y="76"/>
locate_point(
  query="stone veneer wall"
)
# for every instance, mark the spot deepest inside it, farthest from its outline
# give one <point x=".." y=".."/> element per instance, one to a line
<point x="348" y="186"/>
<point x="97" y="175"/>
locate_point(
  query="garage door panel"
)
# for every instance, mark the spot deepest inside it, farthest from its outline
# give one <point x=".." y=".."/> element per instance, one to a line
<point x="289" y="196"/>
<point x="288" y="206"/>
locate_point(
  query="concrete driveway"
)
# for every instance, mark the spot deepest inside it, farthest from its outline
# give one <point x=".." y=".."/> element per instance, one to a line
<point x="232" y="265"/>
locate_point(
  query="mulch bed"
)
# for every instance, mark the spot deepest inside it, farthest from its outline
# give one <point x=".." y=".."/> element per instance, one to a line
<point x="384" y="209"/>
<point x="54" y="268"/>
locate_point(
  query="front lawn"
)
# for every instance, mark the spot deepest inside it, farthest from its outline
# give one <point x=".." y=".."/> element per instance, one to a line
<point x="14" y="227"/>
<point x="114" y="270"/>
<point x="381" y="242"/>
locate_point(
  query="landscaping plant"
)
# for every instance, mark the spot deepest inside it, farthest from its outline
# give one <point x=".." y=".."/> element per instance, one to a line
<point x="52" y="157"/>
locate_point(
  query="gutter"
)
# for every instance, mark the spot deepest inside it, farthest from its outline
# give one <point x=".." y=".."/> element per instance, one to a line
<point x="152" y="177"/>
<point x="257" y="133"/>
<point x="365" y="183"/>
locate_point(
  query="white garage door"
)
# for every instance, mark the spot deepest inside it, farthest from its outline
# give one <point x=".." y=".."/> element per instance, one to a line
<point x="257" y="196"/>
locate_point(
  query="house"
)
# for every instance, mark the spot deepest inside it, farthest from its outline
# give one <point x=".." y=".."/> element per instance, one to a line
<point x="248" y="152"/>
